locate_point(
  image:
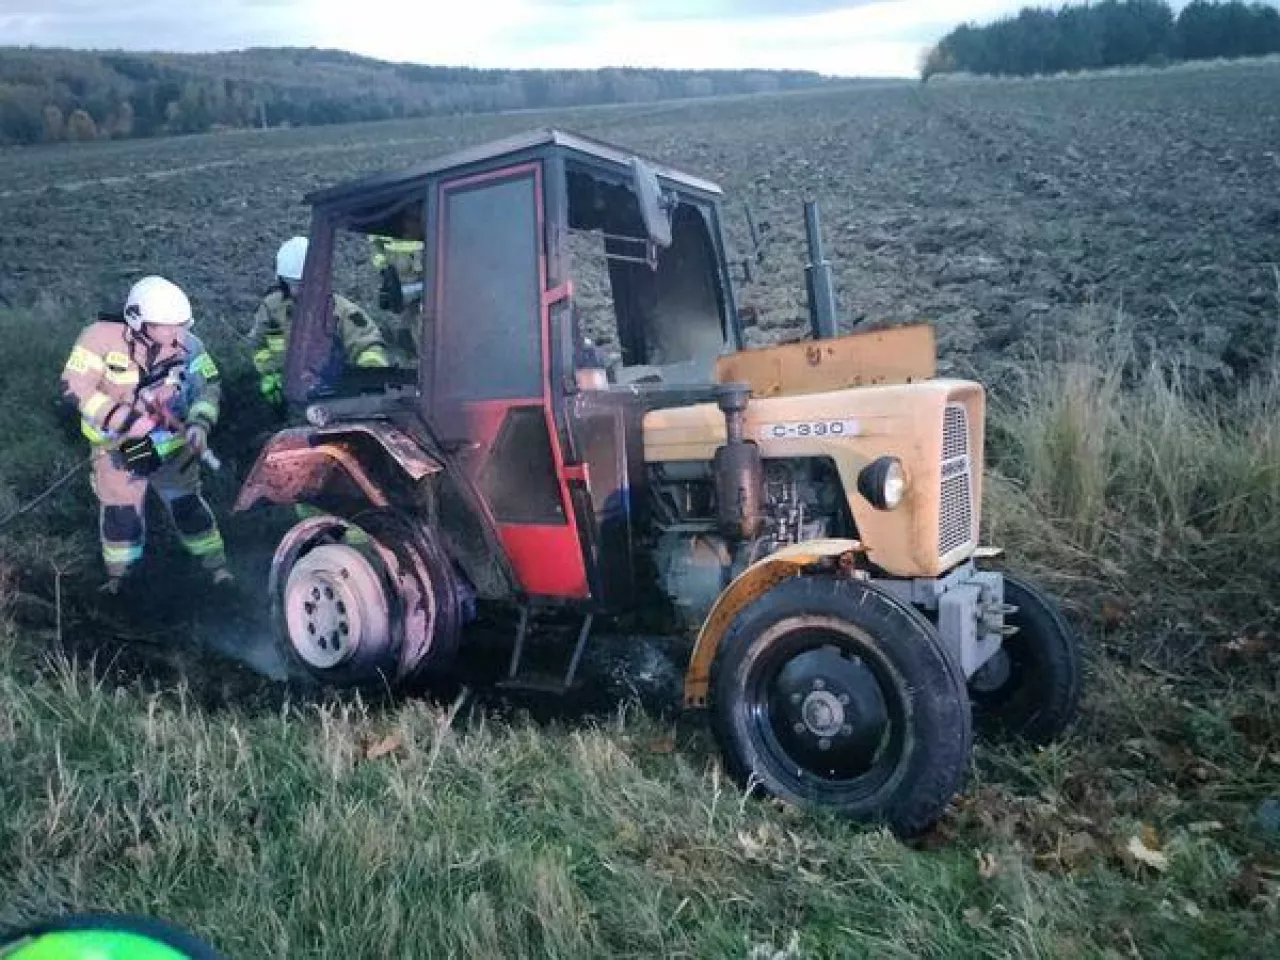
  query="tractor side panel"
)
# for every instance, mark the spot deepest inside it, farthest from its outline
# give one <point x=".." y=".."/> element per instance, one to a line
<point x="871" y="358"/>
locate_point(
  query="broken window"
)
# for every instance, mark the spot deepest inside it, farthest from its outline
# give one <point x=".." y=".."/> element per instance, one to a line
<point x="657" y="314"/>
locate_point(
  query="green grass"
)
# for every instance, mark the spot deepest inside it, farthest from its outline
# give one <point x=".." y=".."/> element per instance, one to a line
<point x="272" y="831"/>
<point x="151" y="779"/>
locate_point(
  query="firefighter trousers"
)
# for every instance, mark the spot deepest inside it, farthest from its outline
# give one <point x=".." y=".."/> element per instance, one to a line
<point x="122" y="496"/>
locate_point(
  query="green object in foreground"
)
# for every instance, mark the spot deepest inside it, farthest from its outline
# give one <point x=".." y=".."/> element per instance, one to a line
<point x="90" y="945"/>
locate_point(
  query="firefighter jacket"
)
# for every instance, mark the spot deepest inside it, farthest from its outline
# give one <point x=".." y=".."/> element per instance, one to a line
<point x="362" y="343"/>
<point x="114" y="376"/>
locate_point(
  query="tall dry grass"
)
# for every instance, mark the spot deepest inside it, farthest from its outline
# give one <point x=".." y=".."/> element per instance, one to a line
<point x="1139" y="475"/>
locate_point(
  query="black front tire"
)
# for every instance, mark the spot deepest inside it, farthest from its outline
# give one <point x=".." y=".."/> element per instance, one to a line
<point x="1031" y="690"/>
<point x="905" y="752"/>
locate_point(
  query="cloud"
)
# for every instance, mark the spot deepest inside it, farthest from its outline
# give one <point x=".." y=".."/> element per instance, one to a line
<point x="150" y="24"/>
<point x="675" y="10"/>
<point x="842" y="37"/>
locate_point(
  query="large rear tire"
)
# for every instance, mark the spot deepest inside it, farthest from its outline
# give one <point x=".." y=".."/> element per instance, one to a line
<point x="361" y="606"/>
<point x="828" y="692"/>
<point x="1030" y="690"/>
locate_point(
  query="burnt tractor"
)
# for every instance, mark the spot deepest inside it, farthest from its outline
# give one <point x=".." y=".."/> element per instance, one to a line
<point x="576" y="426"/>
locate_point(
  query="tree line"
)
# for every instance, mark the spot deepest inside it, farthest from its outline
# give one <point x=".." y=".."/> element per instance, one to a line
<point x="1112" y="33"/>
<point x="49" y="95"/>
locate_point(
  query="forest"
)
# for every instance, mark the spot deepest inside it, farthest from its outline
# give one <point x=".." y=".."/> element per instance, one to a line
<point x="51" y="95"/>
<point x="1113" y="33"/>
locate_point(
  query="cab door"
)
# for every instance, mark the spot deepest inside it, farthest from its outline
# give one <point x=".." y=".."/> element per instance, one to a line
<point x="489" y="387"/>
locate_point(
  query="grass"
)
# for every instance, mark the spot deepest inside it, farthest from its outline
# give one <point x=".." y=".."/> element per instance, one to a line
<point x="1140" y="482"/>
<point x="157" y="780"/>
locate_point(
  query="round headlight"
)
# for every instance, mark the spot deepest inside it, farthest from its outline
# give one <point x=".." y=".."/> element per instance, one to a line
<point x="317" y="416"/>
<point x="883" y="482"/>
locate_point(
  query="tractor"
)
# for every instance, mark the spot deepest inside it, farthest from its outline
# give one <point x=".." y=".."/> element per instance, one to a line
<point x="581" y="431"/>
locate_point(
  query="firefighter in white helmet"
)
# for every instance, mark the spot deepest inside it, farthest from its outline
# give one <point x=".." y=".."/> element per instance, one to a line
<point x="362" y="343"/>
<point x="148" y="394"/>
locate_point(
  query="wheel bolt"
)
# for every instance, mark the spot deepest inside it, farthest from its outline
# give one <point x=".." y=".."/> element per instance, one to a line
<point x="799" y="728"/>
<point x="824" y="744"/>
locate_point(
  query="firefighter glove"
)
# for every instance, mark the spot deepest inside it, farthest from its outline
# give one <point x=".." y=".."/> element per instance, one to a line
<point x="197" y="435"/>
<point x="140" y="454"/>
<point x="273" y="389"/>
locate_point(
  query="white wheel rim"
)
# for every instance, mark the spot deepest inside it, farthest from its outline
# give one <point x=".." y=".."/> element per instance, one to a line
<point x="334" y="603"/>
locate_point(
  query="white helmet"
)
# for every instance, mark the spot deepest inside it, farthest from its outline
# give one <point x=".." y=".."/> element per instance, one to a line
<point x="156" y="300"/>
<point x="290" y="259"/>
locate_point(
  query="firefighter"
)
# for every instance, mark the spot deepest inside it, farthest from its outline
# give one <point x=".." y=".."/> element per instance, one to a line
<point x="148" y="394"/>
<point x="361" y="340"/>
<point x="400" y="264"/>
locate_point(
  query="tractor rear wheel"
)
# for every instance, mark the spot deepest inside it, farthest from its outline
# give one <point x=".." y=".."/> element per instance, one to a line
<point x="829" y="692"/>
<point x="374" y="604"/>
<point x="1030" y="689"/>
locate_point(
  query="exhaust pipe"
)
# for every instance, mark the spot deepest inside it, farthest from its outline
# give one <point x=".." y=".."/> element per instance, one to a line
<point x="817" y="276"/>
<point x="739" y="470"/>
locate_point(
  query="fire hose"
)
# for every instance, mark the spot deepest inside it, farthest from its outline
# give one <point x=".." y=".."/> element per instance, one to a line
<point x="158" y="412"/>
<point x="48" y="492"/>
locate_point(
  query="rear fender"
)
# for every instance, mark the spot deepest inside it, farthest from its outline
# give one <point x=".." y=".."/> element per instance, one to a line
<point x="753" y="583"/>
<point x="300" y="464"/>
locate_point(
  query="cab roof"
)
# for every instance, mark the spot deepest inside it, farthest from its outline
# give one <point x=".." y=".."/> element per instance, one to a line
<point x="593" y="152"/>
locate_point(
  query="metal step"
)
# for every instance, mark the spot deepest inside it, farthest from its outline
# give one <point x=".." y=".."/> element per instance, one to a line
<point x="544" y="683"/>
<point x="532" y="682"/>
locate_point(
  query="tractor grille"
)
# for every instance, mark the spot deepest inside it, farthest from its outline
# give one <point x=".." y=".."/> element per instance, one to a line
<point x="955" y="516"/>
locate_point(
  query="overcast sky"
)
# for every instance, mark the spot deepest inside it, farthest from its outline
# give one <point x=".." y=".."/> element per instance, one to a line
<point x="839" y="37"/>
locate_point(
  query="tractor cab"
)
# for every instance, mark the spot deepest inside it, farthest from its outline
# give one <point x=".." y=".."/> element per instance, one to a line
<point x="572" y="425"/>
<point x="567" y="288"/>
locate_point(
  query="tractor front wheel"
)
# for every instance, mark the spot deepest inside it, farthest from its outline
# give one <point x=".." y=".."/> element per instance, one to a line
<point x="1030" y="690"/>
<point x="828" y="692"/>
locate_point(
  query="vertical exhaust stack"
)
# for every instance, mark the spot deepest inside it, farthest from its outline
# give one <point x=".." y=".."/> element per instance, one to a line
<point x="817" y="276"/>
<point x="739" y="470"/>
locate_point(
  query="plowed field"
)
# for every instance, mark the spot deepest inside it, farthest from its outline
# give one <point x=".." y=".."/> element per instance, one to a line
<point x="993" y="209"/>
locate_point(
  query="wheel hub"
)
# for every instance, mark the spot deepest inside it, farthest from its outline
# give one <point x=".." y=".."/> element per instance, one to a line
<point x="829" y="712"/>
<point x="334" y="603"/>
<point x="823" y="713"/>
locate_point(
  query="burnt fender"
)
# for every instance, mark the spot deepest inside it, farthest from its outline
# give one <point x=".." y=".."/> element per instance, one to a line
<point x="298" y="464"/>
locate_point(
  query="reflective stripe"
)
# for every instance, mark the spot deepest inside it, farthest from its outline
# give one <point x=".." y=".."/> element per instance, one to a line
<point x="95" y="405"/>
<point x="83" y="361"/>
<point x="93" y="434"/>
<point x="170" y="445"/>
<point x="123" y="377"/>
<point x="275" y="342"/>
<point x="204" y="366"/>
<point x="121" y="553"/>
<point x="203" y="410"/>
<point x="373" y="357"/>
<point x="402" y="246"/>
<point x="203" y="544"/>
